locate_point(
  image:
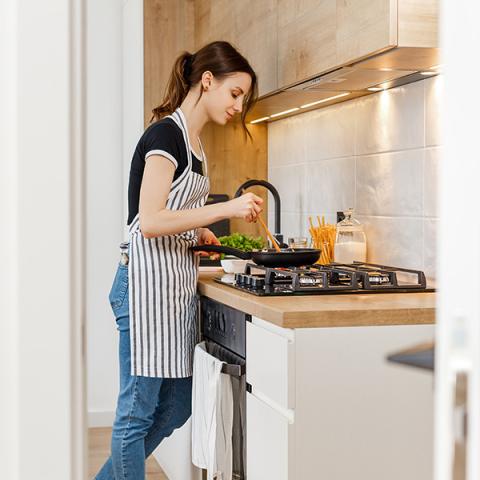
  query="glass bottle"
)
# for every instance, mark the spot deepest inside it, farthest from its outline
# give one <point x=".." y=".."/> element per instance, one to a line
<point x="350" y="241"/>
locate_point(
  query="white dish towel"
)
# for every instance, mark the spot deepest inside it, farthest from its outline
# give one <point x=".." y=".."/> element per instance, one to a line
<point x="212" y="416"/>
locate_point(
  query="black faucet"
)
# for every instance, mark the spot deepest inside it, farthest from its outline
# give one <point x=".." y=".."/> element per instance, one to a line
<point x="276" y="197"/>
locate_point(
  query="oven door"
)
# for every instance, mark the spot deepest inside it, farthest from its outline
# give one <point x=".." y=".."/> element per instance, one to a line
<point x="224" y="331"/>
<point x="235" y="367"/>
<point x="224" y="325"/>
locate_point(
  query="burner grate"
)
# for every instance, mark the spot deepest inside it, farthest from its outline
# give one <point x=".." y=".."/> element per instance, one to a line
<point x="324" y="279"/>
<point x="375" y="276"/>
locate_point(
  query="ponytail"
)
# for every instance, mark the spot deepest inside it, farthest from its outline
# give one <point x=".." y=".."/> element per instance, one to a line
<point x="220" y="58"/>
<point x="177" y="87"/>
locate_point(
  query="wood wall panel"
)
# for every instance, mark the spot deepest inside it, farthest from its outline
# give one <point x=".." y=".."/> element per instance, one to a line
<point x="233" y="160"/>
<point x="168" y="31"/>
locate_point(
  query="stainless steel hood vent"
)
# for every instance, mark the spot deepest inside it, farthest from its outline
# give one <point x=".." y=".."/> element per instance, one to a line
<point x="396" y="67"/>
<point x="334" y="77"/>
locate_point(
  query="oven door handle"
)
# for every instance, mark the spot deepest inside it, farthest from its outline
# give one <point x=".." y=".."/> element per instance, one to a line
<point x="233" y="370"/>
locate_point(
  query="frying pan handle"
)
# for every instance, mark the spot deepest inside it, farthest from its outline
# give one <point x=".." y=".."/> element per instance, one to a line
<point x="223" y="249"/>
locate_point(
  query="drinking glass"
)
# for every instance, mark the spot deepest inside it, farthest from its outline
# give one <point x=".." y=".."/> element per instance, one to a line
<point x="298" y="242"/>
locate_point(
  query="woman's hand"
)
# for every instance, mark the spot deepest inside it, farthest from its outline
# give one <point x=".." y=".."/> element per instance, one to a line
<point x="207" y="237"/>
<point x="247" y="206"/>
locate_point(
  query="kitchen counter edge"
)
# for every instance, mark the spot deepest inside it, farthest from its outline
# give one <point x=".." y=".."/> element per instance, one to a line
<point x="322" y="311"/>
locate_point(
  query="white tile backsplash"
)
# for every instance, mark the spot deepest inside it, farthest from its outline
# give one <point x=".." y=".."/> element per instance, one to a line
<point x="286" y="142"/>
<point x="378" y="154"/>
<point x="390" y="184"/>
<point x="394" y="241"/>
<point x="430" y="179"/>
<point x="330" y="185"/>
<point x="289" y="180"/>
<point x="330" y="132"/>
<point x="430" y="246"/>
<point x="433" y="110"/>
<point x="293" y="225"/>
<point x="391" y="120"/>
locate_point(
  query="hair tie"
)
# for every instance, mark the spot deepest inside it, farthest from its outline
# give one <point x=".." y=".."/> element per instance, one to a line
<point x="187" y="68"/>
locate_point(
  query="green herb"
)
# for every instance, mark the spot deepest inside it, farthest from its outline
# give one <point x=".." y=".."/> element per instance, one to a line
<point x="247" y="243"/>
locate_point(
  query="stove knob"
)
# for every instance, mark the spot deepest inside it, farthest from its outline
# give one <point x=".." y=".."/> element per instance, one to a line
<point x="243" y="279"/>
<point x="258" y="283"/>
<point x="239" y="278"/>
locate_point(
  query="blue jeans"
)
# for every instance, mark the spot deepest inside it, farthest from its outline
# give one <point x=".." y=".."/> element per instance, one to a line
<point x="148" y="409"/>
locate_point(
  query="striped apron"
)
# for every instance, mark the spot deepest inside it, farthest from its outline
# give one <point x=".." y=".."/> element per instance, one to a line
<point x="163" y="276"/>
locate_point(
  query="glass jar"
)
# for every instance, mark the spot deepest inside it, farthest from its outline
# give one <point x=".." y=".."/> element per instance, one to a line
<point x="298" y="242"/>
<point x="350" y="241"/>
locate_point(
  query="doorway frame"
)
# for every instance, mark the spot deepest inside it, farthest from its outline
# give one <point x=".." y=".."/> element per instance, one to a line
<point x="42" y="204"/>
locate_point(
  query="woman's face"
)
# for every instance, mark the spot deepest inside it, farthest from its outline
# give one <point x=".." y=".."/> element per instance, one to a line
<point x="224" y="98"/>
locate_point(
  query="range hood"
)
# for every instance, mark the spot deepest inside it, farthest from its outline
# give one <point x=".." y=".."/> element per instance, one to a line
<point x="393" y="68"/>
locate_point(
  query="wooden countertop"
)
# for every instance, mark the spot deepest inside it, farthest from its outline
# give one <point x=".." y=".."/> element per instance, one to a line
<point x="307" y="311"/>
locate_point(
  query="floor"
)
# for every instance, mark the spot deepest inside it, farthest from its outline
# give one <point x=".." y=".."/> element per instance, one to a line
<point x="99" y="450"/>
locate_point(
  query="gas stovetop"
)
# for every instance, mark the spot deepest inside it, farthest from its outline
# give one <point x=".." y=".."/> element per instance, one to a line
<point x="328" y="279"/>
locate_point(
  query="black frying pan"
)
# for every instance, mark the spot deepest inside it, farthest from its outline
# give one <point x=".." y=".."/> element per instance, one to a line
<point x="268" y="257"/>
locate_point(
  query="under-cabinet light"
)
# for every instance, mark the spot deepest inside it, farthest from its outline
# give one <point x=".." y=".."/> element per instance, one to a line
<point x="325" y="100"/>
<point x="426" y="73"/>
<point x="258" y="120"/>
<point x="374" y="89"/>
<point x="284" y="113"/>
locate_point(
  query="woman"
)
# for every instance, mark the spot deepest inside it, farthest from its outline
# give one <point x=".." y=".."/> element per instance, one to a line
<point x="153" y="293"/>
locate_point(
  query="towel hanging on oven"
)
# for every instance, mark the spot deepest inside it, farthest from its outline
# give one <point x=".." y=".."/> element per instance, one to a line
<point x="239" y="400"/>
<point x="212" y="416"/>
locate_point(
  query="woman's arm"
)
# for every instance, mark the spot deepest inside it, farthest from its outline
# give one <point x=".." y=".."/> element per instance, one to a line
<point x="156" y="220"/>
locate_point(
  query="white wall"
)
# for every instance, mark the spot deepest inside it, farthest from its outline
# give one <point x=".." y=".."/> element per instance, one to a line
<point x="378" y="154"/>
<point x="104" y="200"/>
<point x="115" y="123"/>
<point x="133" y="88"/>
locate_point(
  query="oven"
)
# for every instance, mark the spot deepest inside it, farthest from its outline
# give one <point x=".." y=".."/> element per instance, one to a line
<point x="224" y="331"/>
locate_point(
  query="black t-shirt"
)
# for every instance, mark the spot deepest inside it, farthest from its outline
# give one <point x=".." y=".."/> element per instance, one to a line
<point x="161" y="138"/>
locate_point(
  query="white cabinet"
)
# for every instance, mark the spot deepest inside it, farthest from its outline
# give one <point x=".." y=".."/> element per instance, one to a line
<point x="270" y="445"/>
<point x="325" y="403"/>
<point x="271" y="362"/>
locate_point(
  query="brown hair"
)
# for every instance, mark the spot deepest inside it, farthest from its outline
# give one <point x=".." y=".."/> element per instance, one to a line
<point x="222" y="60"/>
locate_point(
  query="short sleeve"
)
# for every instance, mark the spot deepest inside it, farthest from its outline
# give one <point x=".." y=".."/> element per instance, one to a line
<point x="162" y="139"/>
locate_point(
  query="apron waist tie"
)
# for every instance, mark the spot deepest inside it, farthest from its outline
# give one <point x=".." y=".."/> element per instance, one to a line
<point x="124" y="253"/>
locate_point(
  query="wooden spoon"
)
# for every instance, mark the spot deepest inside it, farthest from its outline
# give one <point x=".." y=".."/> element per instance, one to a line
<point x="270" y="236"/>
